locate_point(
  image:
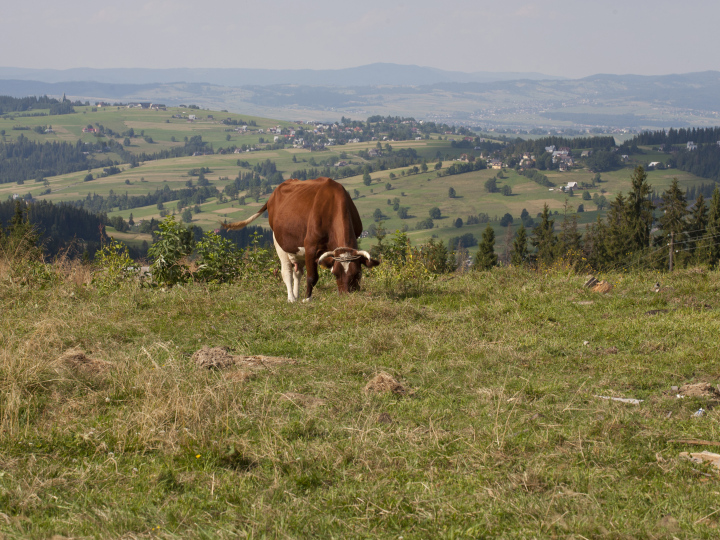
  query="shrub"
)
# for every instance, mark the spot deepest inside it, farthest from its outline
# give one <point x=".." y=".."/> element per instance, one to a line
<point x="114" y="265"/>
<point x="168" y="254"/>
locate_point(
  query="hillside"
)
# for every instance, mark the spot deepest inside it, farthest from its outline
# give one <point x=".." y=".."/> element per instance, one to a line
<point x="416" y="192"/>
<point x="494" y="427"/>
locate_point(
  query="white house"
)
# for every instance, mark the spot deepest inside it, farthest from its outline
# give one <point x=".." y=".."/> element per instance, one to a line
<point x="571" y="185"/>
<point x="191" y="117"/>
<point x="691" y="145"/>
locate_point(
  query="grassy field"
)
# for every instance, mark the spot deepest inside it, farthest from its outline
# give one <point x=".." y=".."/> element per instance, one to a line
<point x="496" y="432"/>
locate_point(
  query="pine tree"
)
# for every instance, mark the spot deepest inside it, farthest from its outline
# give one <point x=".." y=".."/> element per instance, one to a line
<point x="520" y="249"/>
<point x="639" y="211"/>
<point x="486" y="257"/>
<point x="544" y="238"/>
<point x="709" y="248"/>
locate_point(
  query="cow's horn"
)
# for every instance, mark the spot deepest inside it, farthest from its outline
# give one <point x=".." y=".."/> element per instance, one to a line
<point x="364" y="254"/>
<point x="326" y="255"/>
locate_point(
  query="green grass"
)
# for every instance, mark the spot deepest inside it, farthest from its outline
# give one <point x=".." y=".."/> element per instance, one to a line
<point x="499" y="435"/>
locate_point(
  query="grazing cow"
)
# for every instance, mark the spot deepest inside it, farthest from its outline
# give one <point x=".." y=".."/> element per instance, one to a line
<point x="314" y="222"/>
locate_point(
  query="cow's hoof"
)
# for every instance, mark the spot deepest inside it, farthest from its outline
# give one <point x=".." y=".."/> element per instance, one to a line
<point x="292" y="300"/>
<point x="307" y="299"/>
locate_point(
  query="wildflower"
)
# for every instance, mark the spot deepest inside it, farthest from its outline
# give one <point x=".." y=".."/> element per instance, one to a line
<point x="197" y="456"/>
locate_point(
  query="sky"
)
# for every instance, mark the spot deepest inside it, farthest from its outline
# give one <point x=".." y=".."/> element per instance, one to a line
<point x="570" y="38"/>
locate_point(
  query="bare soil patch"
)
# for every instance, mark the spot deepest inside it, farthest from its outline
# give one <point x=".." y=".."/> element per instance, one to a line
<point x="219" y="358"/>
<point x="77" y="361"/>
<point x="701" y="389"/>
<point x="383" y="383"/>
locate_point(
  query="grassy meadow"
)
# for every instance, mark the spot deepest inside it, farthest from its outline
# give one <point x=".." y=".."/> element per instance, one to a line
<point x="109" y="429"/>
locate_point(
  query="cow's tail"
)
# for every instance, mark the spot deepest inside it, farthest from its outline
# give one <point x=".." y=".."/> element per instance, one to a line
<point x="242" y="224"/>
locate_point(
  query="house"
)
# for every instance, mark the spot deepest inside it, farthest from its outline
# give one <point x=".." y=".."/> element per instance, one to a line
<point x="563" y="167"/>
<point x="496" y="164"/>
<point x="191" y="117"/>
<point x="571" y="185"/>
<point x="691" y="146"/>
<point x="341" y="164"/>
<point x="550" y="149"/>
<point x="586" y="153"/>
<point x="374" y="152"/>
<point x="653" y="164"/>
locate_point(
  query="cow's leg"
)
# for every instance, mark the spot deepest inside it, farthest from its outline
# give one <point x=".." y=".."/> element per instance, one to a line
<point x="286" y="268"/>
<point x="298" y="268"/>
<point x="312" y="272"/>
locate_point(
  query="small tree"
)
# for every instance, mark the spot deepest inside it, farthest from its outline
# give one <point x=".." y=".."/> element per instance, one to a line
<point x="366" y="178"/>
<point x="451" y="193"/>
<point x="486" y="257"/>
<point x="438" y="165"/>
<point x="377" y="214"/>
<point x="506" y="190"/>
<point x="356" y="193"/>
<point x="491" y="185"/>
<point x="435" y="213"/>
<point x="586" y="195"/>
<point x="458" y="223"/>
<point x="520" y="249"/>
<point x="544" y="238"/>
<point x="388" y="186"/>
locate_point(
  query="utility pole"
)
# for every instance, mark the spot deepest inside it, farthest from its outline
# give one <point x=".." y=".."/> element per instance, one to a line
<point x="672" y="237"/>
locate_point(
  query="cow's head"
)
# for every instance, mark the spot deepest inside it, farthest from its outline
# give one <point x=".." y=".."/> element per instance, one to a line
<point x="346" y="264"/>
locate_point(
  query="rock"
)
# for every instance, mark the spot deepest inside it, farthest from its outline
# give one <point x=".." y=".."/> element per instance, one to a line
<point x="674" y="389"/>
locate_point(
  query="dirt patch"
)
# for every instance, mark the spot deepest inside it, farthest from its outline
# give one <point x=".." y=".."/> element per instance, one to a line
<point x="609" y="350"/>
<point x="602" y="287"/>
<point x="657" y="311"/>
<point x="213" y="358"/>
<point x="383" y="383"/>
<point x="219" y="358"/>
<point x="701" y="389"/>
<point x="301" y="400"/>
<point x="76" y="360"/>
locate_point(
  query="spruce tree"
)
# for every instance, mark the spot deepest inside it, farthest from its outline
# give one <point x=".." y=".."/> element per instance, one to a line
<point x="618" y="237"/>
<point x="486" y="257"/>
<point x="698" y="223"/>
<point x="639" y="211"/>
<point x="520" y="250"/>
<point x="544" y="238"/>
<point x="672" y="222"/>
<point x="709" y="248"/>
<point x="569" y="242"/>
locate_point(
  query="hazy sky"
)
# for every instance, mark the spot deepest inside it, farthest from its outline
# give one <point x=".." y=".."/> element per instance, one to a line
<point x="570" y="38"/>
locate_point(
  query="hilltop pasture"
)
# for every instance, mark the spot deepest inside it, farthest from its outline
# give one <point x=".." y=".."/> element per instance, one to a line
<point x="490" y="424"/>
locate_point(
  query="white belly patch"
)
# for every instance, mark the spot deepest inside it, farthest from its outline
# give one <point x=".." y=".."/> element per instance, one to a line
<point x="297" y="257"/>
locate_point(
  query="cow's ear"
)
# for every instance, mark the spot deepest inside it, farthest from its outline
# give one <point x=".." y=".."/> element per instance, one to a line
<point x="327" y="262"/>
<point x="371" y="262"/>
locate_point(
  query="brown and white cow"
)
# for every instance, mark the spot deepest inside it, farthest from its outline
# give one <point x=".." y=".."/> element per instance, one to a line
<point x="314" y="222"/>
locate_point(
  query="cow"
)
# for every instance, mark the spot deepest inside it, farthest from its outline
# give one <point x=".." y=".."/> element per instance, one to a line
<point x="314" y="222"/>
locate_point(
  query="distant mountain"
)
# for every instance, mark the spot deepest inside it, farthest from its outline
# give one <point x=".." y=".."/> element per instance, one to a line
<point x="372" y="74"/>
<point x="617" y="101"/>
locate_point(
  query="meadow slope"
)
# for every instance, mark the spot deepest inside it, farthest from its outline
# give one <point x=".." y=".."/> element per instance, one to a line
<point x="497" y="432"/>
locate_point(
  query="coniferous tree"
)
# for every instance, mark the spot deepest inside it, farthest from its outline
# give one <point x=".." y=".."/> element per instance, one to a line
<point x="673" y="223"/>
<point x="618" y="241"/>
<point x="544" y="238"/>
<point x="698" y="223"/>
<point x="520" y="249"/>
<point x="570" y="240"/>
<point x="639" y="211"/>
<point x="595" y="244"/>
<point x="486" y="257"/>
<point x="709" y="246"/>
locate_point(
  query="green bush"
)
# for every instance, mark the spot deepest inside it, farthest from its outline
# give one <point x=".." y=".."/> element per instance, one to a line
<point x="170" y="252"/>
